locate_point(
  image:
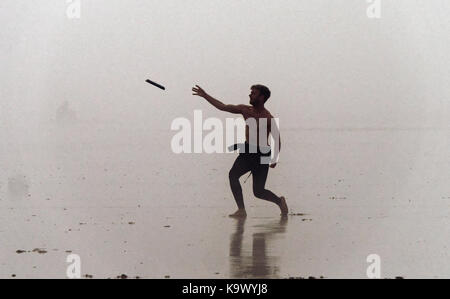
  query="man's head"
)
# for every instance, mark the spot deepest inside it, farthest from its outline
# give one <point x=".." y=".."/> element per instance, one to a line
<point x="259" y="95"/>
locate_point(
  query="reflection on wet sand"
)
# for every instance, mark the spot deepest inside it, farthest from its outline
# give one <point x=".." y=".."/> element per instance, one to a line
<point x="263" y="260"/>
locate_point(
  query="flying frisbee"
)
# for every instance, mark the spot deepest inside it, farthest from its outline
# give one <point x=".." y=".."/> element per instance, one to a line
<point x="155" y="84"/>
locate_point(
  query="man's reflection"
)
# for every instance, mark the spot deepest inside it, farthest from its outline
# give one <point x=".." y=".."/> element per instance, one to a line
<point x="261" y="261"/>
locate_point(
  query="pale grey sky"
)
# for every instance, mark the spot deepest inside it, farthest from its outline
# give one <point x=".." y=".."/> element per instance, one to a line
<point x="327" y="63"/>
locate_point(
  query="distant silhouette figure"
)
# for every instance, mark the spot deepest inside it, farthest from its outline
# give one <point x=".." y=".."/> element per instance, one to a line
<point x="13" y="182"/>
<point x="247" y="160"/>
<point x="65" y="115"/>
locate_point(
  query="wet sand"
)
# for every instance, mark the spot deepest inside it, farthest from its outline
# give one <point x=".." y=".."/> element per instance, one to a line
<point x="125" y="210"/>
<point x="203" y="243"/>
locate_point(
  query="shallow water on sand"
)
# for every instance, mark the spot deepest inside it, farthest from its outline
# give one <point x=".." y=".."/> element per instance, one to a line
<point x="203" y="243"/>
<point x="126" y="208"/>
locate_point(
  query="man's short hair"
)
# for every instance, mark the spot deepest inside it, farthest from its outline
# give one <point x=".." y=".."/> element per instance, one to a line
<point x="263" y="90"/>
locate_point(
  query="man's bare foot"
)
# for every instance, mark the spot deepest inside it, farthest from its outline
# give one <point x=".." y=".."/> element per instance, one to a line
<point x="241" y="213"/>
<point x="283" y="206"/>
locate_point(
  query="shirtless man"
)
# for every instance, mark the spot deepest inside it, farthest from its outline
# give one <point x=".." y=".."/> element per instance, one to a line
<point x="250" y="160"/>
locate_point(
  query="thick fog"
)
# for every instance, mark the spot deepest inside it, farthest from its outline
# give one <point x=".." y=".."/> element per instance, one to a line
<point x="329" y="66"/>
<point x="327" y="63"/>
<point x="363" y="105"/>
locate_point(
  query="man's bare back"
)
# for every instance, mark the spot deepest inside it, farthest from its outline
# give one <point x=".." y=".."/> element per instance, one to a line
<point x="251" y="113"/>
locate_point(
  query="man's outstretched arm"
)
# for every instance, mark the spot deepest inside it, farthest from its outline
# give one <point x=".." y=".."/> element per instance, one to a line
<point x="237" y="109"/>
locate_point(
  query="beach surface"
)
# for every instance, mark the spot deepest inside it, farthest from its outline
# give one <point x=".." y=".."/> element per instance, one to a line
<point x="126" y="209"/>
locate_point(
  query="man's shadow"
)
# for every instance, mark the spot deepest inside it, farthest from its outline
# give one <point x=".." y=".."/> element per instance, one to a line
<point x="259" y="262"/>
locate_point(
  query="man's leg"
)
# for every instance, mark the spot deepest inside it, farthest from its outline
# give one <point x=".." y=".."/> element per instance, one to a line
<point x="260" y="173"/>
<point x="240" y="167"/>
